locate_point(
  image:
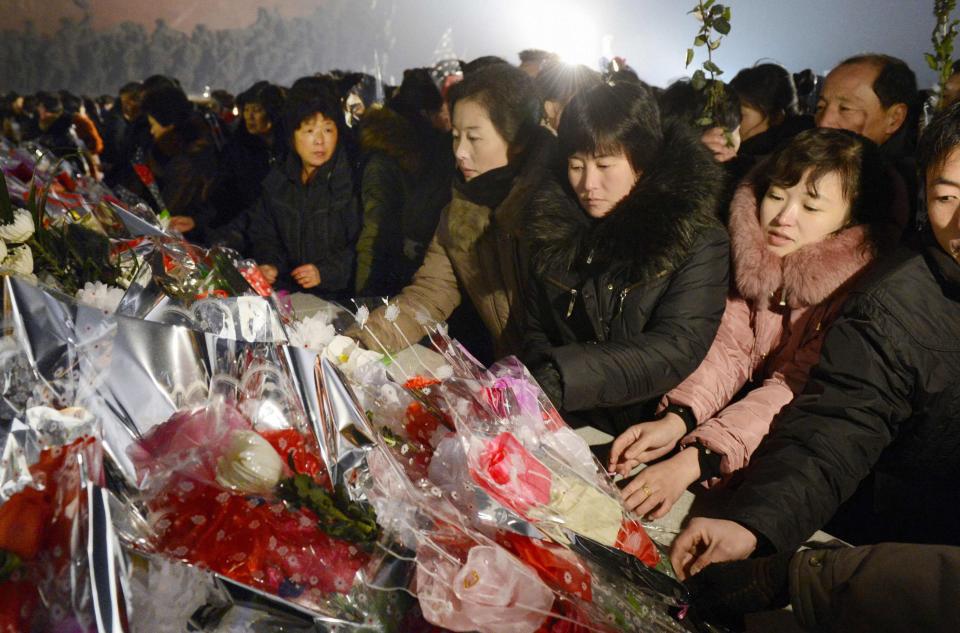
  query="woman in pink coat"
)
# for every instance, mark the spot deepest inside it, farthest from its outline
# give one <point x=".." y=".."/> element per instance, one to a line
<point x="803" y="228"/>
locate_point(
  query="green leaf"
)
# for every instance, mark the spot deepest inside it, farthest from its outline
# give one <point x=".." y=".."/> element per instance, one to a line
<point x="698" y="81"/>
<point x="708" y="4"/>
<point x="931" y="61"/>
<point x="700" y="40"/>
<point x="722" y="26"/>
<point x="711" y="67"/>
<point x="714" y="45"/>
<point x="717" y="10"/>
<point x="689" y="56"/>
<point x="704" y="122"/>
<point x="726" y="14"/>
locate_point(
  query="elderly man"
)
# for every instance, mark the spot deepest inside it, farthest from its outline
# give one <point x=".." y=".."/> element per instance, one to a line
<point x="874" y="95"/>
<point x="874" y="443"/>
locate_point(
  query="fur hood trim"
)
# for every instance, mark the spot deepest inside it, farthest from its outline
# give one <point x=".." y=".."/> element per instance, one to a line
<point x="805" y="277"/>
<point x="383" y="130"/>
<point x="651" y="230"/>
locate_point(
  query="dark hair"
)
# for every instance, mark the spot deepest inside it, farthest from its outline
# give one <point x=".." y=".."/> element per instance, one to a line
<point x="536" y="55"/>
<point x="684" y="102"/>
<point x="768" y="88"/>
<point x="475" y="65"/>
<point x="308" y="99"/>
<point x="939" y="138"/>
<point x="560" y="82"/>
<point x="50" y="101"/>
<point x="168" y="105"/>
<point x="417" y="92"/>
<point x="895" y="83"/>
<point x="507" y="94"/>
<point x="269" y="97"/>
<point x="863" y="174"/>
<point x="609" y="118"/>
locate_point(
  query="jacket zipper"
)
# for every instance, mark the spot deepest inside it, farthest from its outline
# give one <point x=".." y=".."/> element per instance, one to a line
<point x="628" y="289"/>
<point x="572" y="291"/>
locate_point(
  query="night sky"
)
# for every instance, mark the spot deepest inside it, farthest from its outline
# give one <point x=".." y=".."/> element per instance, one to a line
<point x="651" y="34"/>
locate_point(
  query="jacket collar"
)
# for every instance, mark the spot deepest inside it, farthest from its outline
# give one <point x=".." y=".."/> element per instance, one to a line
<point x="649" y="231"/>
<point x="805" y="277"/>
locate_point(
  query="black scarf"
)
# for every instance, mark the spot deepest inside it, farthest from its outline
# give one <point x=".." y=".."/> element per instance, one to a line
<point x="490" y="188"/>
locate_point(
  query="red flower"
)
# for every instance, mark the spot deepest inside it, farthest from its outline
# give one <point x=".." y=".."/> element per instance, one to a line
<point x="511" y="475"/>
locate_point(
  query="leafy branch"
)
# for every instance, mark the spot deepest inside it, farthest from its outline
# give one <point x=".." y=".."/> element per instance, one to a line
<point x="714" y="25"/>
<point x="944" y="33"/>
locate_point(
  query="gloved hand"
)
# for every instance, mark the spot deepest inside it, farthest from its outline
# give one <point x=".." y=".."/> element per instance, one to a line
<point x="724" y="592"/>
<point x="549" y="379"/>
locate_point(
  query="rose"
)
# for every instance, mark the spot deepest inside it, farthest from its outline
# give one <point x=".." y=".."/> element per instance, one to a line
<point x="19" y="230"/>
<point x="249" y="464"/>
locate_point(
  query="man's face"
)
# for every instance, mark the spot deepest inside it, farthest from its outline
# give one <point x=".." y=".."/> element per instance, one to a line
<point x="848" y="102"/>
<point x="943" y="202"/>
<point x="130" y="105"/>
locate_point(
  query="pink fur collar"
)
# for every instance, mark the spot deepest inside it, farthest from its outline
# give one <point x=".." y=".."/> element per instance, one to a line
<point x="806" y="277"/>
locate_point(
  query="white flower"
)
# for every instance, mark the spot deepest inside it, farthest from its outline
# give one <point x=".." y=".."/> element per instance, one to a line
<point x="250" y="464"/>
<point x="392" y="312"/>
<point x="359" y="358"/>
<point x="19" y="230"/>
<point x="18" y="260"/>
<point x="313" y="333"/>
<point x="339" y="349"/>
<point x="363" y="314"/>
<point x="100" y="295"/>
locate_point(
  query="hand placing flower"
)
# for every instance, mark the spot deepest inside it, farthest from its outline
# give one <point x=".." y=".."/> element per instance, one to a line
<point x="654" y="491"/>
<point x="269" y="272"/>
<point x="308" y="276"/>
<point x="182" y="223"/>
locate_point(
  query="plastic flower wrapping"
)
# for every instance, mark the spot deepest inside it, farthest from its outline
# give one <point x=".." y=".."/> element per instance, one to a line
<point x="180" y="451"/>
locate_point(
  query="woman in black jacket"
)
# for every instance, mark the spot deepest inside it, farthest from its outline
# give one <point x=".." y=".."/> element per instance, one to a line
<point x="630" y="263"/>
<point x="305" y="225"/>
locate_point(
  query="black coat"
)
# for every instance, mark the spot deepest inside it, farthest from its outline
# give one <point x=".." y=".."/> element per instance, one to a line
<point x="878" y="425"/>
<point x="625" y="308"/>
<point x="244" y="163"/>
<point x="315" y="223"/>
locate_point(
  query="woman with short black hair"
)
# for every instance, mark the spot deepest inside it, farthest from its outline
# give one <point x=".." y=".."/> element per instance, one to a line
<point x="630" y="263"/>
<point x="305" y="224"/>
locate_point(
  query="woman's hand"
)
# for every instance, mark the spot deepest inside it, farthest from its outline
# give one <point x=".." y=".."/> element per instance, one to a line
<point x="269" y="273"/>
<point x="181" y="223"/>
<point x="644" y="442"/>
<point x="656" y="488"/>
<point x="308" y="276"/>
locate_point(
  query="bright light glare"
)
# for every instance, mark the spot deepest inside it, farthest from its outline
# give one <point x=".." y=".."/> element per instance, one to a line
<point x="559" y="27"/>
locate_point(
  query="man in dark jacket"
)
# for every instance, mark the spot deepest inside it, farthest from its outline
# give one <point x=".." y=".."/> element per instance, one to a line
<point x="874" y="441"/>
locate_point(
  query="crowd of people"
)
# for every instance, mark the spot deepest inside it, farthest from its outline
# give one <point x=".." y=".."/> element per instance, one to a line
<point x="758" y="293"/>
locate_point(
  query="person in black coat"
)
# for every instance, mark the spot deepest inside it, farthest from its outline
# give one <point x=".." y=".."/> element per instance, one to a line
<point x="408" y="168"/>
<point x="630" y="263"/>
<point x="182" y="160"/>
<point x="874" y="441"/>
<point x="305" y="225"/>
<point x="254" y="148"/>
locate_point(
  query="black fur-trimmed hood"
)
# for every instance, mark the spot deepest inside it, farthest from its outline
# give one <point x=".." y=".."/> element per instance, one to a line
<point x="649" y="231"/>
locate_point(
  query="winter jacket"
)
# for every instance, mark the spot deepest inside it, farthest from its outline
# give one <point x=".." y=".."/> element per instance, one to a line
<point x="625" y="308"/>
<point x="477" y="250"/>
<point x="885" y="588"/>
<point x="244" y="164"/>
<point x="406" y="172"/>
<point x="315" y="223"/>
<point x="184" y="163"/>
<point x="877" y="427"/>
<point x="770" y="334"/>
